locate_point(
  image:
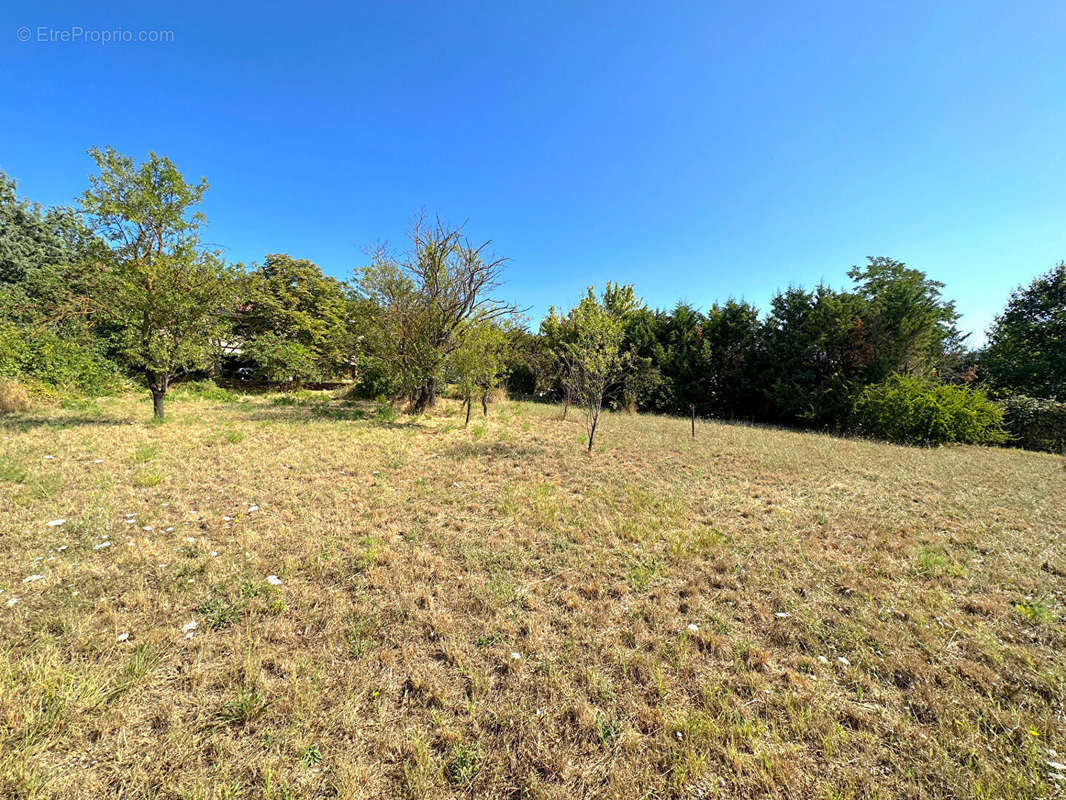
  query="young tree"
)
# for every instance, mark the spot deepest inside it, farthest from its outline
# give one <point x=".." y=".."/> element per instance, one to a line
<point x="478" y="363"/>
<point x="171" y="298"/>
<point x="422" y="302"/>
<point x="595" y="356"/>
<point x="558" y="335"/>
<point x="1026" y="350"/>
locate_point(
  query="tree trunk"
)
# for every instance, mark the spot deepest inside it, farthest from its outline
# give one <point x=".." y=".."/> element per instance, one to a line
<point x="425" y="397"/>
<point x="594" y="418"/>
<point x="692" y="408"/>
<point x="467" y="411"/>
<point x="484" y="404"/>
<point x="157" y="384"/>
<point x="566" y="402"/>
<point x="157" y="402"/>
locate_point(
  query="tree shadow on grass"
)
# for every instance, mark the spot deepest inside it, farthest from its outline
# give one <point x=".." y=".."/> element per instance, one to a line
<point x="313" y="413"/>
<point x="492" y="450"/>
<point x="23" y="423"/>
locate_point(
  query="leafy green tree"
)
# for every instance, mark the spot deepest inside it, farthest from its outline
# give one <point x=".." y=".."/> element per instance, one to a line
<point x="646" y="386"/>
<point x="33" y="239"/>
<point x="525" y="359"/>
<point x="687" y="356"/>
<point x="595" y="353"/>
<point x="171" y="299"/>
<point x="909" y="325"/>
<point x="479" y="362"/>
<point x="282" y="360"/>
<point x="731" y="332"/>
<point x="814" y="356"/>
<point x="304" y="315"/>
<point x="420" y="303"/>
<point x="1026" y="350"/>
<point x="558" y="334"/>
<point x="42" y="289"/>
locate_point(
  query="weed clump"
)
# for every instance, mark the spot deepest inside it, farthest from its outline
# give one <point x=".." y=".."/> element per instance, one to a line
<point x="13" y="397"/>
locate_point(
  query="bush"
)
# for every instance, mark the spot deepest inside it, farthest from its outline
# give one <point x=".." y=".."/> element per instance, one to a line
<point x="56" y="361"/>
<point x="1035" y="424"/>
<point x="375" y="380"/>
<point x="281" y="360"/>
<point x="206" y="390"/>
<point x="13" y="397"/>
<point x="912" y="411"/>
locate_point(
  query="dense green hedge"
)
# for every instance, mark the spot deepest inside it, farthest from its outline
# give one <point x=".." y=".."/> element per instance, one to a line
<point x="1034" y="423"/>
<point x="55" y="361"/>
<point x="912" y="411"/>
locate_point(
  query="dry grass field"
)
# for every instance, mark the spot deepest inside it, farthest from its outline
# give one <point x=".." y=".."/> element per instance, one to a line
<point x="261" y="599"/>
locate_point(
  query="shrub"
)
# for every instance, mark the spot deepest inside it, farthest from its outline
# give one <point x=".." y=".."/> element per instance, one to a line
<point x="13" y="397"/>
<point x="56" y="361"/>
<point x="206" y="390"/>
<point x="281" y="360"/>
<point x="913" y="411"/>
<point x="375" y="380"/>
<point x="385" y="413"/>
<point x="1035" y="424"/>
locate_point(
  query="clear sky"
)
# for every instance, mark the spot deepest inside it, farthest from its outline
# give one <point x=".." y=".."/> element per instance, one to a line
<point x="699" y="150"/>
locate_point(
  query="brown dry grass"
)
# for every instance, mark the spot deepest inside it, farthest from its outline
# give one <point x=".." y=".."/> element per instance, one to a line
<point x="13" y="397"/>
<point x="490" y="613"/>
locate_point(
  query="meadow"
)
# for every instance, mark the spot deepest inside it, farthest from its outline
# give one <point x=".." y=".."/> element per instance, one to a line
<point x="297" y="597"/>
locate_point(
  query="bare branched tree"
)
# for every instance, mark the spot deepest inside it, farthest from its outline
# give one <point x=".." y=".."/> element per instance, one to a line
<point x="422" y="301"/>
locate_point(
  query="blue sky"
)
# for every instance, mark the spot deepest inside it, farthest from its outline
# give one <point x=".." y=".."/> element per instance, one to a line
<point x="699" y="150"/>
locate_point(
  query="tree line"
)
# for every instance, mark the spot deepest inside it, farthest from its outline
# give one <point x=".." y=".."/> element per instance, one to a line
<point x="122" y="285"/>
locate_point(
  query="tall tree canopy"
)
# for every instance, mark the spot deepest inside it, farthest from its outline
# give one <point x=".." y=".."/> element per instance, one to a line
<point x="910" y="326"/>
<point x="1026" y="350"/>
<point x="42" y="252"/>
<point x="814" y="356"/>
<point x="171" y="298"/>
<point x="297" y="318"/>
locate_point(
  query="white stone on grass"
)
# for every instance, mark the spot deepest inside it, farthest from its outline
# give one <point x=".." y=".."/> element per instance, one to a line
<point x="273" y="580"/>
<point x="56" y="523"/>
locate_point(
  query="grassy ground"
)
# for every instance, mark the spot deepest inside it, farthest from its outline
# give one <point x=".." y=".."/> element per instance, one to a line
<point x="489" y="612"/>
